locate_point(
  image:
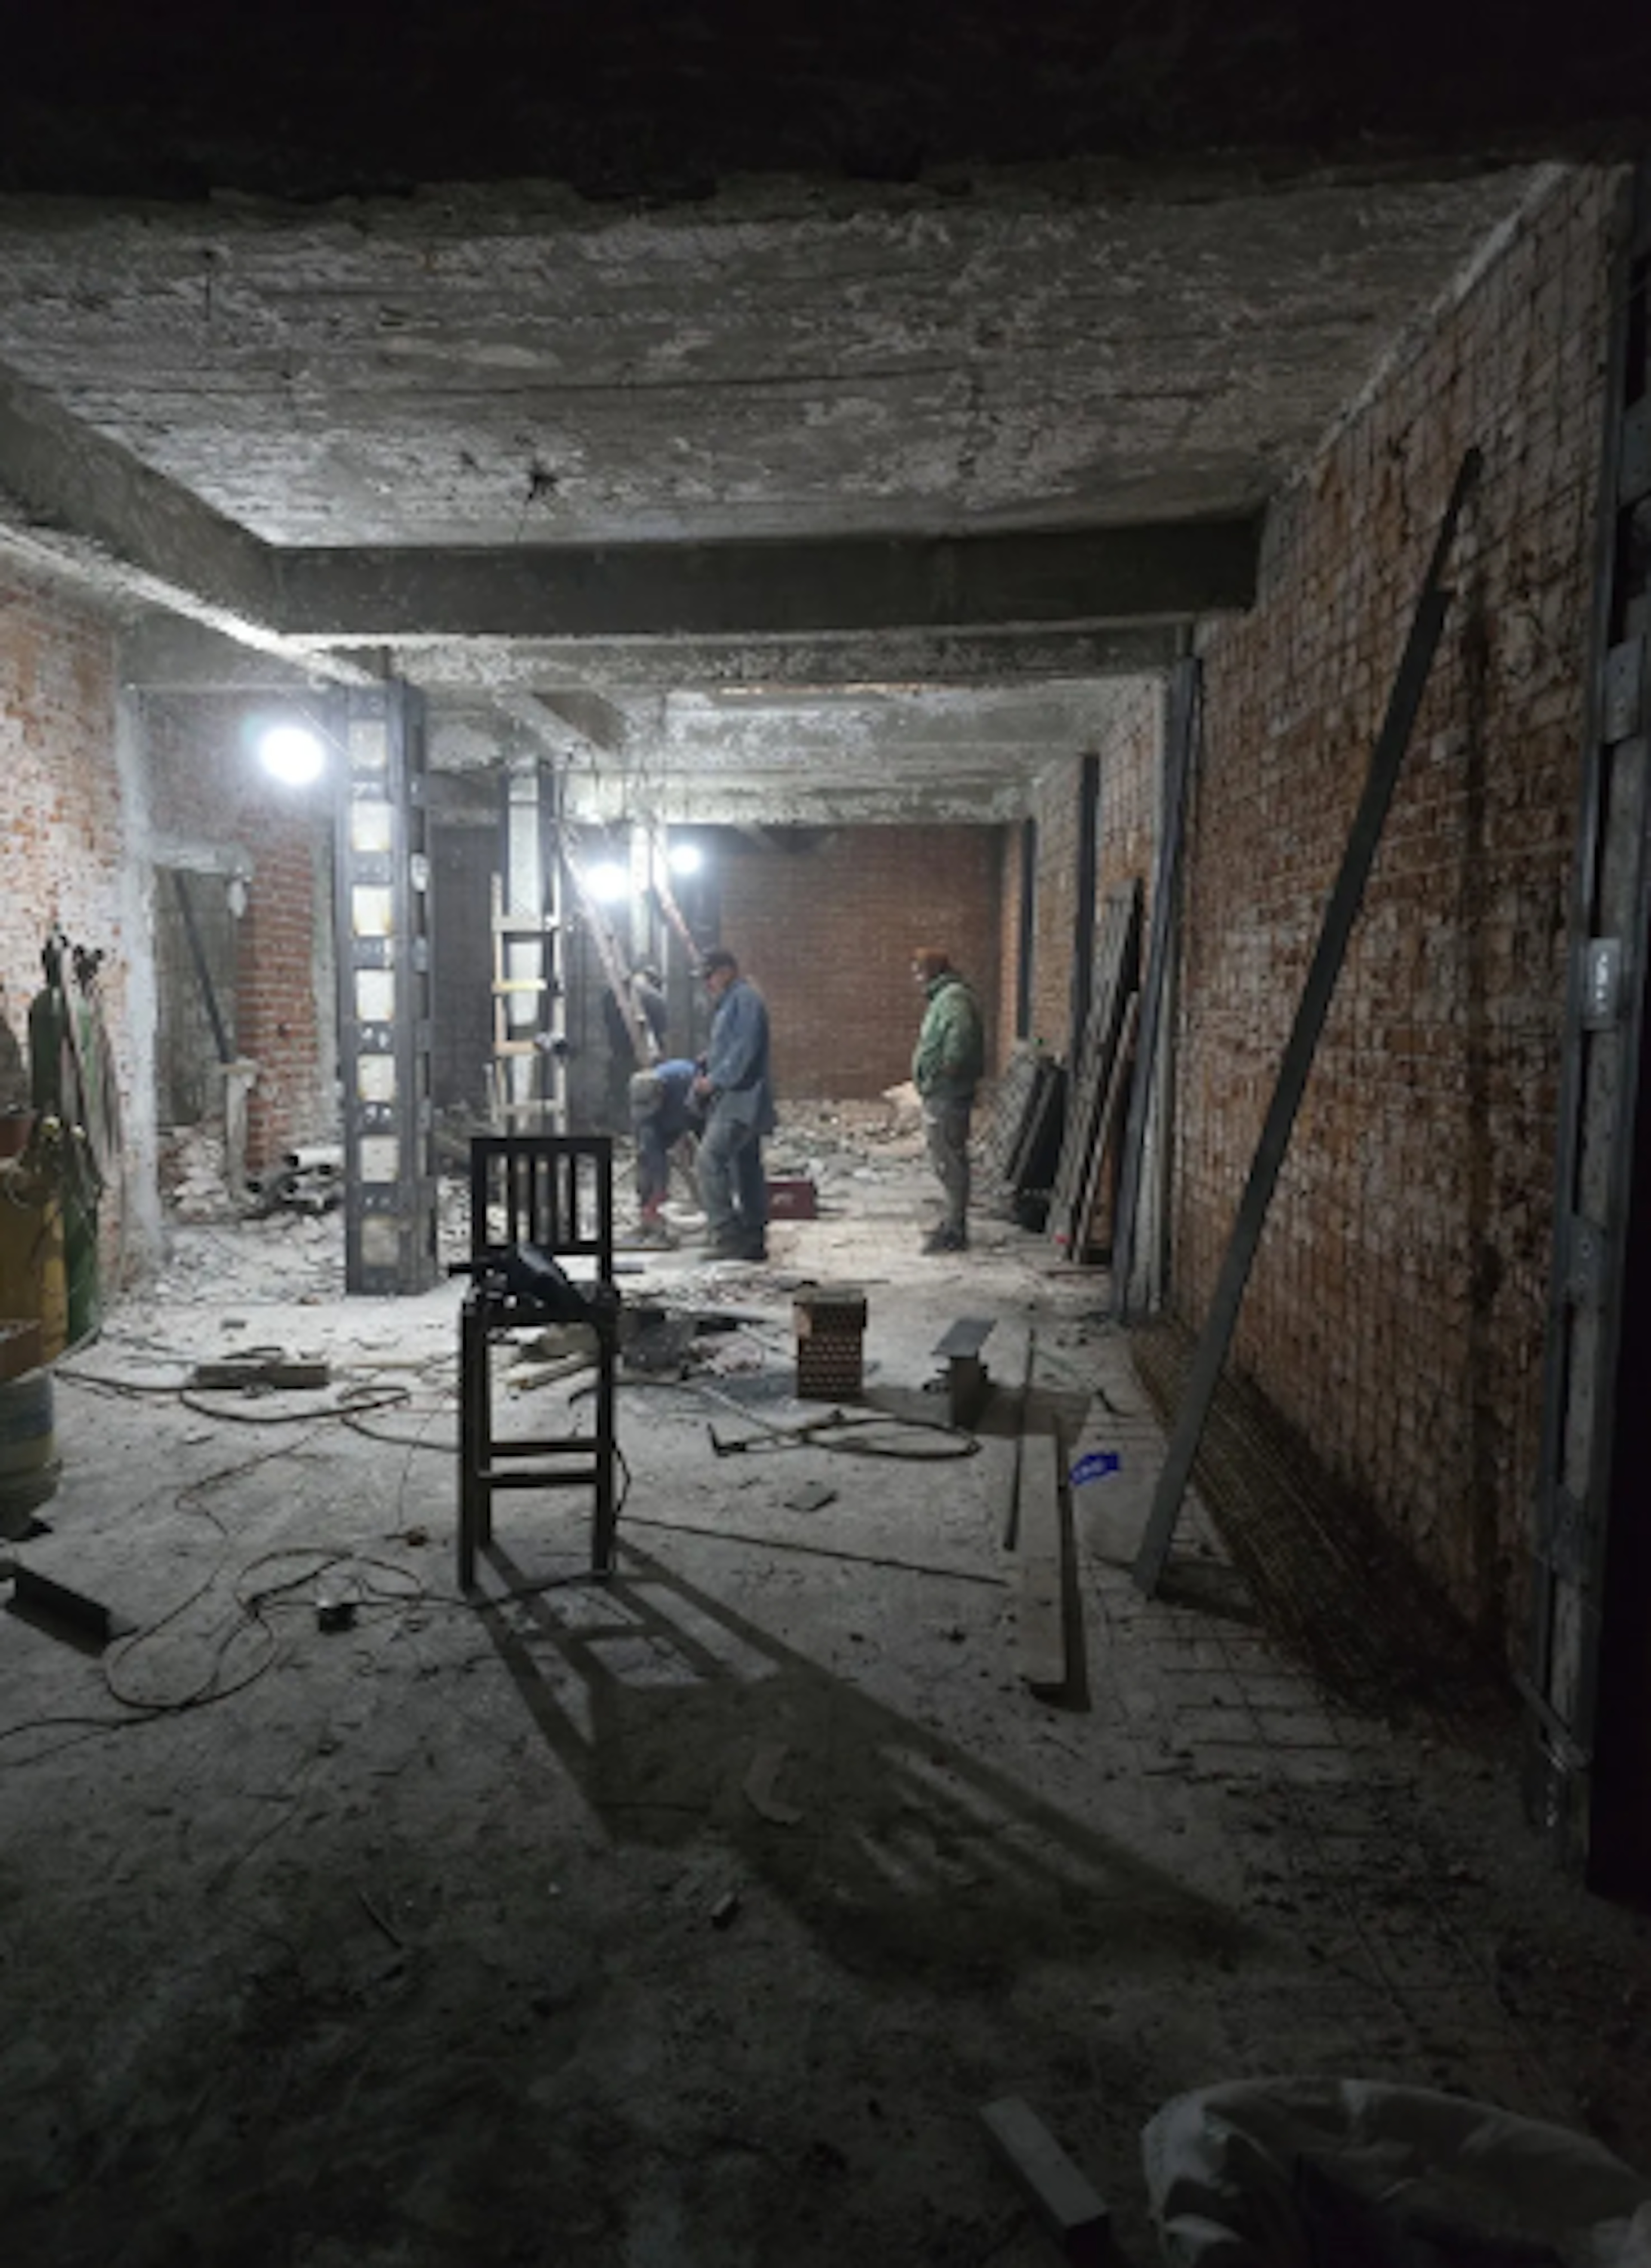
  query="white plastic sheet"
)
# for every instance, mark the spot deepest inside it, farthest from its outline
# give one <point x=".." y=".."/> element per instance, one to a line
<point x="1225" y="2179"/>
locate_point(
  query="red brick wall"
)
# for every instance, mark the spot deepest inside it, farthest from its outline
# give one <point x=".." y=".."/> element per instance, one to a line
<point x="61" y="811"/>
<point x="1129" y="749"/>
<point x="828" y="931"/>
<point x="1057" y="812"/>
<point x="1394" y="1315"/>
<point x="208" y="790"/>
<point x="1130" y="761"/>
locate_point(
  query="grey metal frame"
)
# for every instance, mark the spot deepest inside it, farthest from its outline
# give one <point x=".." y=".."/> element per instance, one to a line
<point x="384" y="981"/>
<point x="1587" y="1683"/>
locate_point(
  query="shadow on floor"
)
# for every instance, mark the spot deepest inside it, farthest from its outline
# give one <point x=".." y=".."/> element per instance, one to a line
<point x="901" y="1850"/>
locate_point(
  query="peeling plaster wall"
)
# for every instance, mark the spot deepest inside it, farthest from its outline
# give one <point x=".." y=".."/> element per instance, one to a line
<point x="1395" y="1315"/>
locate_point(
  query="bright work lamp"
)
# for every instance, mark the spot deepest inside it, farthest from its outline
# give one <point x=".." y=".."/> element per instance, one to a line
<point x="609" y="883"/>
<point x="291" y="754"/>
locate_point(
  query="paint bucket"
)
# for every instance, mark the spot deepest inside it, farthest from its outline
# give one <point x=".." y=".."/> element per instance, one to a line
<point x="29" y="1462"/>
<point x="34" y="1281"/>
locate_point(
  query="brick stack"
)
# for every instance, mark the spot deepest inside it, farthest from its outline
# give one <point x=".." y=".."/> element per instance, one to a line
<point x="830" y="1326"/>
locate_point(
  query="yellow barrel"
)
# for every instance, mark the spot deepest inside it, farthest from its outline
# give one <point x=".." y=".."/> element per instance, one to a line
<point x="33" y="1280"/>
<point x="29" y="1462"/>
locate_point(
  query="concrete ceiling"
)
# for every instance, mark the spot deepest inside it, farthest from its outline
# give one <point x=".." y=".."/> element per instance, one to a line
<point x="789" y="496"/>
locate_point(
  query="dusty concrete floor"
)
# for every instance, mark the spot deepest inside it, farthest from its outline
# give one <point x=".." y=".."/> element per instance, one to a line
<point x="687" y="1920"/>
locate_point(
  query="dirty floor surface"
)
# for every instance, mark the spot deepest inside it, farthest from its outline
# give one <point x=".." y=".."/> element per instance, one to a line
<point x="688" y="1918"/>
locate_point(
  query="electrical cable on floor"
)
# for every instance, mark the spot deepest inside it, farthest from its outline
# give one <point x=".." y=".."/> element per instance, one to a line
<point x="133" y="1386"/>
<point x="355" y="1401"/>
<point x="391" y="1397"/>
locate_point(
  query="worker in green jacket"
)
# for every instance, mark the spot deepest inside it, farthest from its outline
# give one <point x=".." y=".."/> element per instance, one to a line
<point x="947" y="1064"/>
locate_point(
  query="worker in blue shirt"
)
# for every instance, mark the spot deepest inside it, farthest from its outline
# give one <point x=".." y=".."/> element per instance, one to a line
<point x="738" y="1099"/>
<point x="663" y="1108"/>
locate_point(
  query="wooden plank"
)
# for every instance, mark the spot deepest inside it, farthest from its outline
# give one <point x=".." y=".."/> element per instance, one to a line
<point x="1071" y="2208"/>
<point x="1041" y="1588"/>
<point x="967" y="1336"/>
<point x="1038" y="1156"/>
<point x="1095" y="1214"/>
<point x="1117" y="967"/>
<point x="1017" y="1089"/>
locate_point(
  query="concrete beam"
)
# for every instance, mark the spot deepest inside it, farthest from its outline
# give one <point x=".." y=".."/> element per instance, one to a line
<point x="1165" y="572"/>
<point x="780" y="799"/>
<point x="162" y="652"/>
<point x="594" y="719"/>
<point x="84" y="500"/>
<point x="1000" y="654"/>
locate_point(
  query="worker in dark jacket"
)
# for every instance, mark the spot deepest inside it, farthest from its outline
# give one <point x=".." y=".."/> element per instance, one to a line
<point x="663" y="1108"/>
<point x="947" y="1066"/>
<point x="739" y="1098"/>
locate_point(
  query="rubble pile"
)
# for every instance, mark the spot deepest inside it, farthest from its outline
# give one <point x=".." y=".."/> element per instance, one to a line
<point x="306" y="1181"/>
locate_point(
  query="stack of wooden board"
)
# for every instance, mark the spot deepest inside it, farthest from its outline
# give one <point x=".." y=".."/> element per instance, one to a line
<point x="1018" y="1153"/>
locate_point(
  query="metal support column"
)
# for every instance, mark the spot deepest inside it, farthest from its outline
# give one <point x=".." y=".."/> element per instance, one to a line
<point x="383" y="917"/>
<point x="1181" y="731"/>
<point x="529" y="992"/>
<point x="1588" y="1687"/>
<point x="1083" y="923"/>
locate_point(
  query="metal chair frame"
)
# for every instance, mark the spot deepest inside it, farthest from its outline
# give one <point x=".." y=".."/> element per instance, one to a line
<point x="555" y="1191"/>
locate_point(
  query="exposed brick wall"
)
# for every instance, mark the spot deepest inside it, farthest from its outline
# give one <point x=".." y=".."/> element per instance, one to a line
<point x="1395" y="1315"/>
<point x="827" y="932"/>
<point x="62" y="820"/>
<point x="1057" y="810"/>
<point x="1129" y="754"/>
<point x="1131" y="757"/>
<point x="208" y="790"/>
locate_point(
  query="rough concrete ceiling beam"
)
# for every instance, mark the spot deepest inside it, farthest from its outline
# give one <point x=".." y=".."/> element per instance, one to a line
<point x="775" y="799"/>
<point x="478" y="742"/>
<point x="1004" y="653"/>
<point x="590" y="716"/>
<point x="68" y="489"/>
<point x="164" y="653"/>
<point x="1164" y="571"/>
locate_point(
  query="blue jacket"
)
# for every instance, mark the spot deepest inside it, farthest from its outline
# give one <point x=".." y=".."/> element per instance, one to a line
<point x="736" y="1060"/>
<point x="658" y="1130"/>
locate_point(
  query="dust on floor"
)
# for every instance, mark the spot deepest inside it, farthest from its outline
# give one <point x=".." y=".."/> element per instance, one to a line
<point x="688" y="1919"/>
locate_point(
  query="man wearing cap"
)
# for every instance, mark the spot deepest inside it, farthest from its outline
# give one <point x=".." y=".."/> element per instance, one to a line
<point x="947" y="1066"/>
<point x="663" y="1108"/>
<point x="738" y="1099"/>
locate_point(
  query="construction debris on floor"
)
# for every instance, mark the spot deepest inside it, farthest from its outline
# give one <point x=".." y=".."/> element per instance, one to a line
<point x="695" y="1918"/>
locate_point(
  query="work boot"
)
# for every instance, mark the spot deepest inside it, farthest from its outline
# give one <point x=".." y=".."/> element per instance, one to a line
<point x="946" y="1239"/>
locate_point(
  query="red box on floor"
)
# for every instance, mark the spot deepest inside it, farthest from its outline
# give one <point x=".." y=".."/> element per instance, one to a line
<point x="793" y="1200"/>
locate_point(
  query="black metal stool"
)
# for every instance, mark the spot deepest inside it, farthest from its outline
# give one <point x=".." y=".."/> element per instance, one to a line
<point x="537" y="1199"/>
